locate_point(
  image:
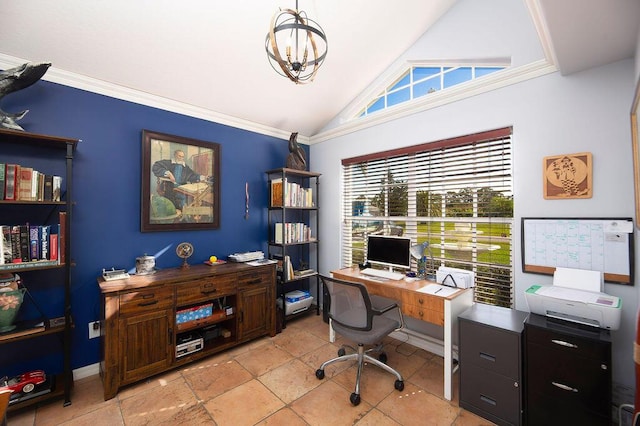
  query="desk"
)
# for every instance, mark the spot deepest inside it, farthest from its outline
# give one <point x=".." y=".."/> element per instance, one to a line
<point x="442" y="311"/>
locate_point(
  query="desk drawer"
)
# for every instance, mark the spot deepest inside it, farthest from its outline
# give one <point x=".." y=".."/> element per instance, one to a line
<point x="153" y="299"/>
<point x="206" y="289"/>
<point x="255" y="278"/>
<point x="423" y="307"/>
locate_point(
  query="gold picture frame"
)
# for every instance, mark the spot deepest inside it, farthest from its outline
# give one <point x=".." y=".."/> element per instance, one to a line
<point x="568" y="176"/>
<point x="179" y="198"/>
<point x="635" y="128"/>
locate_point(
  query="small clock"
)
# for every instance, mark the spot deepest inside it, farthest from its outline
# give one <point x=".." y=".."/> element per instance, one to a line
<point x="184" y="251"/>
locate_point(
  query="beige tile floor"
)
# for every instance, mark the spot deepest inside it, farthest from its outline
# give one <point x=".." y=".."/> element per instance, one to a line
<point x="270" y="381"/>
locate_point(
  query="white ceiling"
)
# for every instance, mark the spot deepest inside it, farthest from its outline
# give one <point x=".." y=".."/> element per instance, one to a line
<point x="210" y="54"/>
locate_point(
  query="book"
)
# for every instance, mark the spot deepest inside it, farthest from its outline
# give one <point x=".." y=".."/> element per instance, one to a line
<point x="26" y="176"/>
<point x="7" y="253"/>
<point x="24" y="243"/>
<point x="34" y="185"/>
<point x="2" y="169"/>
<point x="276" y="192"/>
<point x="47" y="193"/>
<point x="34" y="243"/>
<point x="62" y="238"/>
<point x="53" y="242"/>
<point x="40" y="186"/>
<point x="57" y="184"/>
<point x="16" y="256"/>
<point x="44" y="241"/>
<point x="10" y="182"/>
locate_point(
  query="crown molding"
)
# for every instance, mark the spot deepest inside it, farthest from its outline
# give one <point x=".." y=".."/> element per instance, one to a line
<point x="77" y="81"/>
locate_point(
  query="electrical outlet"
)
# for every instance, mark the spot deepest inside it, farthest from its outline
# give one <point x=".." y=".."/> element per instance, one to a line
<point x="94" y="329"/>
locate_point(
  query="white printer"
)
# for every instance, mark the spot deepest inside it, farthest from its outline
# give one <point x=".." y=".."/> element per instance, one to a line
<point x="576" y="296"/>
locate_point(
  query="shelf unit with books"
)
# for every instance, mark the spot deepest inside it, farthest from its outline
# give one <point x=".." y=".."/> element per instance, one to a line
<point x="293" y="232"/>
<point x="46" y="265"/>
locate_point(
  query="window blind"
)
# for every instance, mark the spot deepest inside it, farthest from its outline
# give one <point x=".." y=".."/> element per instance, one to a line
<point x="455" y="194"/>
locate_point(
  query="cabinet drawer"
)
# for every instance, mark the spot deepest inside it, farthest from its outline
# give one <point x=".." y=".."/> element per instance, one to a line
<point x="252" y="278"/>
<point x="569" y="344"/>
<point x="583" y="383"/>
<point x="147" y="300"/>
<point x="491" y="393"/>
<point x="489" y="348"/>
<point x="205" y="289"/>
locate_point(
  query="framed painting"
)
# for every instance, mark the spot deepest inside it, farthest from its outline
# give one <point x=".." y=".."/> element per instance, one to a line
<point x="180" y="183"/>
<point x="635" y="139"/>
<point x="568" y="176"/>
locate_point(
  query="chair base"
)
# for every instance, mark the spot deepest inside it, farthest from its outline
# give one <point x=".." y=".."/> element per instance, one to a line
<point x="361" y="356"/>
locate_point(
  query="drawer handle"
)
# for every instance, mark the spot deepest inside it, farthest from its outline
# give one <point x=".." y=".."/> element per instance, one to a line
<point x="421" y="301"/>
<point x="421" y="313"/>
<point x="565" y="344"/>
<point x="488" y="400"/>
<point x="213" y="290"/>
<point x="564" y="387"/>
<point x="487" y="357"/>
<point x="149" y="296"/>
<point x="149" y="303"/>
<point x="254" y="281"/>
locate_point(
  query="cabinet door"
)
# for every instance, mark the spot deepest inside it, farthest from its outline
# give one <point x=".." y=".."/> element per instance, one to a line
<point x="255" y="308"/>
<point x="146" y="344"/>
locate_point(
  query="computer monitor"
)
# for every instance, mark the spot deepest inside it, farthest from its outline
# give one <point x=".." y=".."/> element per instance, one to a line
<point x="391" y="252"/>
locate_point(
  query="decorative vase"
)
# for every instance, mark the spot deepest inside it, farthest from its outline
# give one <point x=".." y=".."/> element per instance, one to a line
<point x="10" y="302"/>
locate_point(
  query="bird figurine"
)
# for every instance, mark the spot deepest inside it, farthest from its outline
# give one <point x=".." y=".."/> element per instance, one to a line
<point x="296" y="159"/>
<point x="15" y="79"/>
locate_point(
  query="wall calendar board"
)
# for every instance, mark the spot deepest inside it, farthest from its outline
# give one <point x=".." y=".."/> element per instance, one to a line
<point x="599" y="244"/>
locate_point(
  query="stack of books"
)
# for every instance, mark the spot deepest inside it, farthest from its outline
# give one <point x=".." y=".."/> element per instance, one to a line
<point x="20" y="183"/>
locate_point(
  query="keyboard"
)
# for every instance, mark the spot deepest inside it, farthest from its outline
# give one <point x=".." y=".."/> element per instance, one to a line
<point x="380" y="273"/>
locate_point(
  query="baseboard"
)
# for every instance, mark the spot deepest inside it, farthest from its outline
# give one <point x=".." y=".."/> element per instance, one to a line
<point x="86" y="371"/>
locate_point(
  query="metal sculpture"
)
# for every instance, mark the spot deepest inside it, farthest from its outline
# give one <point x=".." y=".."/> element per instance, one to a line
<point x="15" y="79"/>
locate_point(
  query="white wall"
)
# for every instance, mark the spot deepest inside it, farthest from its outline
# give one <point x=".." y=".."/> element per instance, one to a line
<point x="584" y="112"/>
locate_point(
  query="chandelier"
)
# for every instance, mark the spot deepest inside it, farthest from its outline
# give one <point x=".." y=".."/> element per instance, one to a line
<point x="302" y="41"/>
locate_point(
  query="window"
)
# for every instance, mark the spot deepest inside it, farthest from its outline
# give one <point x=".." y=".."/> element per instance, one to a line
<point x="420" y="81"/>
<point x="455" y="194"/>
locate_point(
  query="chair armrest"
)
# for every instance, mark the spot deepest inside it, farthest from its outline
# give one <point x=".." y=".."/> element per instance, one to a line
<point x="380" y="304"/>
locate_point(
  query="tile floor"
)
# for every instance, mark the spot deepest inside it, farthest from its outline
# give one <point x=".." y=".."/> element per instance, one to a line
<point x="270" y="381"/>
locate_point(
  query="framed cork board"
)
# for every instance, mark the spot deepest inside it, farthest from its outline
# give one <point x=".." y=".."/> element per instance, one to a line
<point x="567" y="176"/>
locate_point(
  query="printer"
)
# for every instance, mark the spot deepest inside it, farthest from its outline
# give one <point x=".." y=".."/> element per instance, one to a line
<point x="576" y="296"/>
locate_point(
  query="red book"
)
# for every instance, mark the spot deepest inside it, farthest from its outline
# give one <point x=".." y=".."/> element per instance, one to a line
<point x="53" y="246"/>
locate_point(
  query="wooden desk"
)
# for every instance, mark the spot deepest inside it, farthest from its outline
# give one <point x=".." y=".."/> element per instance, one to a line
<point x="442" y="311"/>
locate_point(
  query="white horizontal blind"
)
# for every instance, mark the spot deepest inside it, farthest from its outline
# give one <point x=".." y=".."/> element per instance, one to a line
<point x="456" y="194"/>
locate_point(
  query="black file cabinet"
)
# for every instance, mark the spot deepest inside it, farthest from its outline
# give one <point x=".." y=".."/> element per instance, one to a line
<point x="491" y="362"/>
<point x="568" y="373"/>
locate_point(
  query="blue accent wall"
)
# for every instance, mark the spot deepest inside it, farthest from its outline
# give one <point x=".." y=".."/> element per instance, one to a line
<point x="107" y="179"/>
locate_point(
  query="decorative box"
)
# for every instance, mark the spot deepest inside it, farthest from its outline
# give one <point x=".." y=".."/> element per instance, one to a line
<point x="194" y="313"/>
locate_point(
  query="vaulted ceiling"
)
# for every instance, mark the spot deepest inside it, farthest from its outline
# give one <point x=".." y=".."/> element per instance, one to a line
<point x="210" y="56"/>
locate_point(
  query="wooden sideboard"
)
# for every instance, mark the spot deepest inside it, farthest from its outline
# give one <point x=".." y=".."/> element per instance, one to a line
<point x="231" y="304"/>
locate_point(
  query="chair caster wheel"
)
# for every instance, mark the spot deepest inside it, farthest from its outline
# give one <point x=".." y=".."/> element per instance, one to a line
<point x="399" y="384"/>
<point x="320" y="374"/>
<point x="382" y="357"/>
<point x="354" y="398"/>
<point x="341" y="352"/>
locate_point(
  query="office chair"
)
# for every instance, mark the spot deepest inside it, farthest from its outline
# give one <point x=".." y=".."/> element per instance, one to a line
<point x="357" y="316"/>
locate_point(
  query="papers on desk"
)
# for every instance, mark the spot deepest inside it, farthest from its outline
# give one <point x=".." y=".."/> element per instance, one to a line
<point x="438" y="290"/>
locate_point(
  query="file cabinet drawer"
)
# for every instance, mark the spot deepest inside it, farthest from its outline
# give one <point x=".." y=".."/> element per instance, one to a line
<point x="483" y="347"/>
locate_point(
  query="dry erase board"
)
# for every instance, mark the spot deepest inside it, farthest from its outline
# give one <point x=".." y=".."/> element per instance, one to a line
<point x="598" y="244"/>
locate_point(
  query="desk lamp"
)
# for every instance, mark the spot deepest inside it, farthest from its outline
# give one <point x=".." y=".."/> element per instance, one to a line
<point x="422" y="253"/>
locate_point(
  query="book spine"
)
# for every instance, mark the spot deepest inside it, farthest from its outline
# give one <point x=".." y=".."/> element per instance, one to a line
<point x="48" y="188"/>
<point x="62" y="238"/>
<point x="44" y="242"/>
<point x="53" y="245"/>
<point x="24" y="243"/>
<point x="2" y="180"/>
<point x="276" y="192"/>
<point x="16" y="257"/>
<point x="34" y="244"/>
<point x="24" y="191"/>
<point x="10" y="182"/>
<point x="7" y="252"/>
<point x="57" y="186"/>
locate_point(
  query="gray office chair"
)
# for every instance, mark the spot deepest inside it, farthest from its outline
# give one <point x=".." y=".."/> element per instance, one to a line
<point x="359" y="317"/>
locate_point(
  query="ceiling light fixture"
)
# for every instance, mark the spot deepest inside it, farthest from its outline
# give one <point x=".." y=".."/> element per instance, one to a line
<point x="303" y="42"/>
